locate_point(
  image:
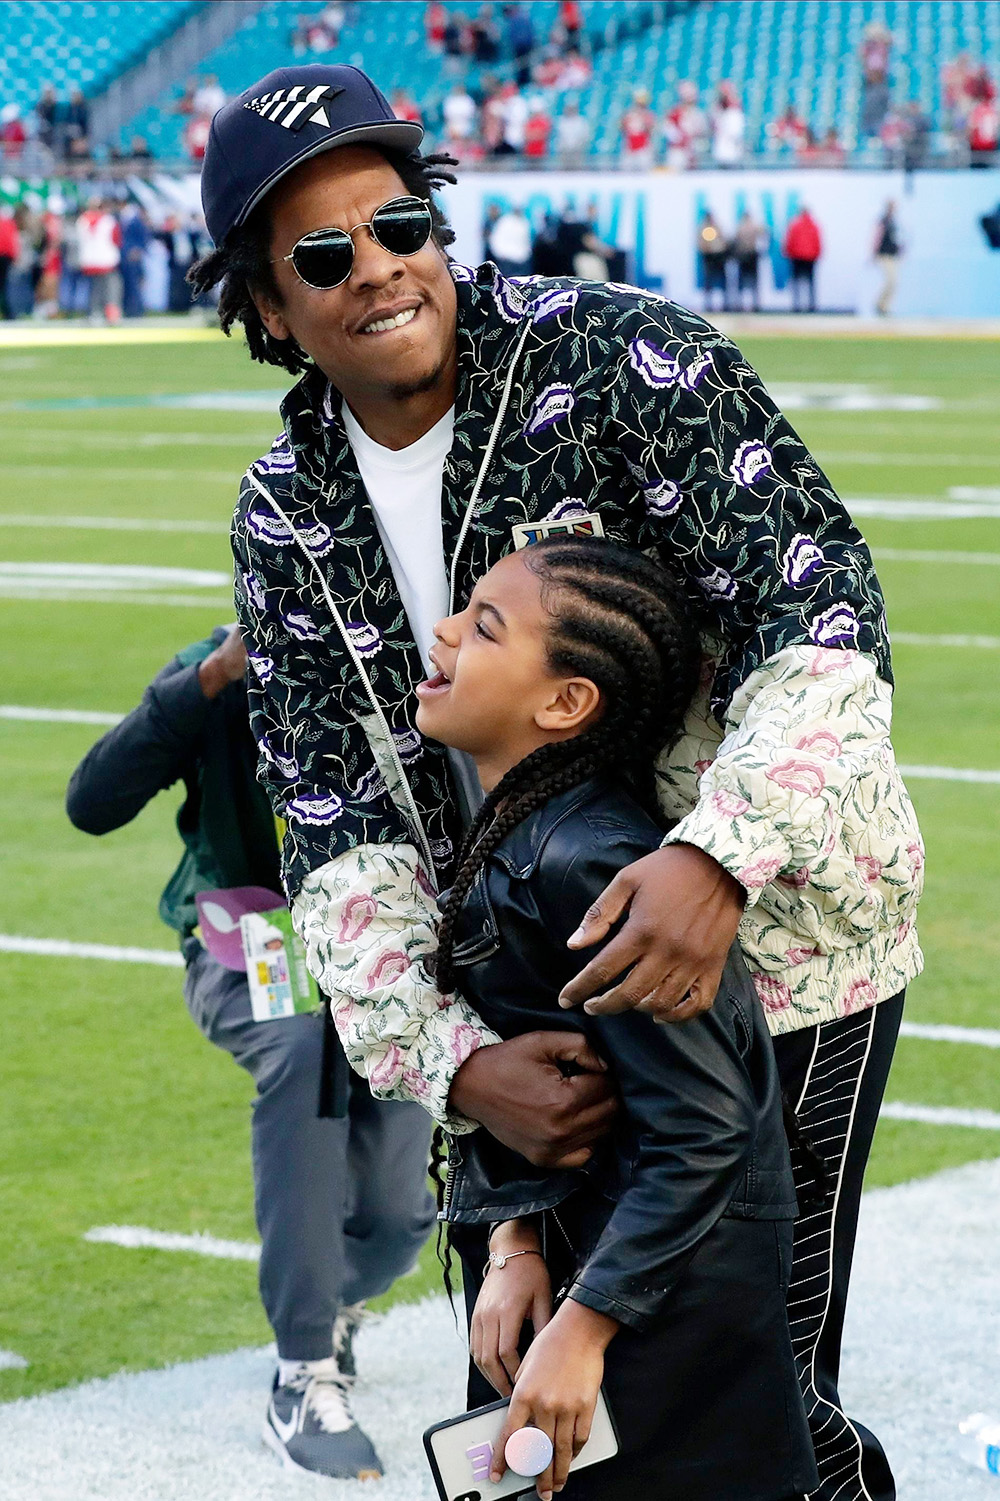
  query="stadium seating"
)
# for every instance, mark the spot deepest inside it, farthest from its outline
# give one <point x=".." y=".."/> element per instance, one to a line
<point x="776" y="52"/>
<point x="74" y="45"/>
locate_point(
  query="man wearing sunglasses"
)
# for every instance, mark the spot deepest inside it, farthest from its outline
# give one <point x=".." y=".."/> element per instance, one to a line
<point x="444" y="416"/>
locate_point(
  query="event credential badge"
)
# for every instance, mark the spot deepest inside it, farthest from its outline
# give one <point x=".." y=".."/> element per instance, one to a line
<point x="279" y="980"/>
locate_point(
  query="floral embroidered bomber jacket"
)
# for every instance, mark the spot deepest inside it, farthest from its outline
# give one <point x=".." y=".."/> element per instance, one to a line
<point x="598" y="399"/>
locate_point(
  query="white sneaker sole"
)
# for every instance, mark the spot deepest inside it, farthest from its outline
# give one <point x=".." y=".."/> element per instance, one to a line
<point x="274" y="1443"/>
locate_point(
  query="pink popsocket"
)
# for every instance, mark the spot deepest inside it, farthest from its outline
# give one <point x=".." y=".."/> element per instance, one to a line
<point x="528" y="1451"/>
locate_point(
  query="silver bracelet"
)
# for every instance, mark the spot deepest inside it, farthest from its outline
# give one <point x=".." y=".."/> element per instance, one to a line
<point x="500" y="1259"/>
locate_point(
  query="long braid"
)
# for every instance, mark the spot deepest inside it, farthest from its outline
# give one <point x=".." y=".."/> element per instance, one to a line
<point x="627" y="624"/>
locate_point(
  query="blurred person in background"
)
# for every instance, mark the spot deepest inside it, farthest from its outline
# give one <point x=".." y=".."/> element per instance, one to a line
<point x="435" y="21"/>
<point x="341" y="1201"/>
<point x="209" y="96"/>
<point x="520" y="40"/>
<point x="22" y="279"/>
<point x="10" y="249"/>
<point x="685" y="128"/>
<point x="12" y="133"/>
<point x="509" y="243"/>
<point x="916" y="136"/>
<point x="404" y="106"/>
<point x="637" y="131"/>
<point x="46" y="111"/>
<point x="99" y="238"/>
<point x="485" y="35"/>
<point x="712" y="250"/>
<point x="802" y="249"/>
<point x="789" y="132"/>
<point x="136" y="240"/>
<point x="77" y="124"/>
<point x="138" y="150"/>
<point x="568" y="32"/>
<point x="888" y="249"/>
<point x="729" y="126"/>
<point x="575" y="71"/>
<point x="459" y="111"/>
<point x="572" y="136"/>
<point x="196" y="133"/>
<point x="750" y="241"/>
<point x="983" y="121"/>
<point x="73" y="285"/>
<point x="49" y="262"/>
<point x="537" y="130"/>
<point x="514" y="110"/>
<point x="874" y="53"/>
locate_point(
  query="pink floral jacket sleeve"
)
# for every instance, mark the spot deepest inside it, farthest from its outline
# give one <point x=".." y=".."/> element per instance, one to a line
<point x="367" y="919"/>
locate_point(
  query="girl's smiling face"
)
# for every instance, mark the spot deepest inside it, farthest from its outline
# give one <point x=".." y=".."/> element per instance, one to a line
<point x="495" y="694"/>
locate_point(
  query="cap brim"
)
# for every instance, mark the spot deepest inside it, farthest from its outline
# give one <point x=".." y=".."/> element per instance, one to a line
<point x="401" y="135"/>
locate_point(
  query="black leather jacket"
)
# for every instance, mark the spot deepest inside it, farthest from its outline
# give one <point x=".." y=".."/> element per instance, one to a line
<point x="701" y="1133"/>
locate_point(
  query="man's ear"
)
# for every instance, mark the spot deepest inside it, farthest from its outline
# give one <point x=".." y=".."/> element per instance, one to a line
<point x="575" y="701"/>
<point x="270" y="314"/>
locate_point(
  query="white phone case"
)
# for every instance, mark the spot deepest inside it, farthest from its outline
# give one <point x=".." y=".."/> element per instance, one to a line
<point x="459" y="1452"/>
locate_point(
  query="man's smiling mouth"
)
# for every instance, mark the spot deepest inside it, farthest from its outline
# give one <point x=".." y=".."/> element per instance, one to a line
<point x="383" y="325"/>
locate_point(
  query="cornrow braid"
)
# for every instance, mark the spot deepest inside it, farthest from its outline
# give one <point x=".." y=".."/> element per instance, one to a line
<point x="243" y="262"/>
<point x="628" y="625"/>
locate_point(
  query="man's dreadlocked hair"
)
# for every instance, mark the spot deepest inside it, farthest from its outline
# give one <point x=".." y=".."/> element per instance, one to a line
<point x="243" y="261"/>
<point x="628" y="625"/>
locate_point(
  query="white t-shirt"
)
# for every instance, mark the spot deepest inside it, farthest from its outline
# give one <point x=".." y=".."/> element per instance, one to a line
<point x="460" y="115"/>
<point x="404" y="487"/>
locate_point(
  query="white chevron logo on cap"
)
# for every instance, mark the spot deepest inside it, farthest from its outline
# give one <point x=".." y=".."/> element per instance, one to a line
<point x="296" y="106"/>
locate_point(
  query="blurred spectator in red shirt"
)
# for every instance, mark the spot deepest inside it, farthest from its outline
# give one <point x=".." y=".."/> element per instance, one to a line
<point x="10" y="249"/>
<point x="984" y="132"/>
<point x="569" y="25"/>
<point x="405" y="107"/>
<point x="435" y="21"/>
<point x="803" y="248"/>
<point x="196" y="134"/>
<point x="537" y="130"/>
<point x="575" y="72"/>
<point x="12" y="132"/>
<point x="789" y="131"/>
<point x="685" y="127"/>
<point x="637" y="127"/>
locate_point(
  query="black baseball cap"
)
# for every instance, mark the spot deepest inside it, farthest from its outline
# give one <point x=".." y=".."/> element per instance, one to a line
<point x="290" y="115"/>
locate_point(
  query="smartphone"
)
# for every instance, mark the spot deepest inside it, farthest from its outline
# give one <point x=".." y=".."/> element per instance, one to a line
<point x="460" y="1450"/>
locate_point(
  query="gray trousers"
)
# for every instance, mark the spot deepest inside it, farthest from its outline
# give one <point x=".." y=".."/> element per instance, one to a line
<point x="343" y="1206"/>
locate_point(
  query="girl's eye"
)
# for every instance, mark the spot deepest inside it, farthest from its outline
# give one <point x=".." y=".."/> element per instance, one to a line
<point x="482" y="631"/>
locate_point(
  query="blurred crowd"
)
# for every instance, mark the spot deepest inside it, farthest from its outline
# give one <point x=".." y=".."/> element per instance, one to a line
<point x="566" y="244"/>
<point x="107" y="260"/>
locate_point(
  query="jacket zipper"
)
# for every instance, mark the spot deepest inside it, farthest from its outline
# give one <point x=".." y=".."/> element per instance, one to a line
<point x="454" y="1163"/>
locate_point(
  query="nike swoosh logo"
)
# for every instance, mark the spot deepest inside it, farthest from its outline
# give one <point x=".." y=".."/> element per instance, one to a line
<point x="282" y="1429"/>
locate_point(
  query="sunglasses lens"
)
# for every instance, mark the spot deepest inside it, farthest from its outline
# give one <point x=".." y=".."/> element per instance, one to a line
<point x="324" y="259"/>
<point x="402" y="227"/>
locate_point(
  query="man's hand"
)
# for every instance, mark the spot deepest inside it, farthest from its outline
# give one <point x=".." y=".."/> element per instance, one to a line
<point x="226" y="664"/>
<point x="522" y="1092"/>
<point x="683" y="912"/>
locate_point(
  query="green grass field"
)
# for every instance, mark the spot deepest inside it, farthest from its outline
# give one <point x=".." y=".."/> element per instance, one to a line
<point x="112" y="1107"/>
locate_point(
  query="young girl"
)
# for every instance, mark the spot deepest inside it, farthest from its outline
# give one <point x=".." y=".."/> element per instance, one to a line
<point x="566" y="676"/>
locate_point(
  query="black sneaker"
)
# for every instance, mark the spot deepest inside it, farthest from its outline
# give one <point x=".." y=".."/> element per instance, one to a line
<point x="310" y="1426"/>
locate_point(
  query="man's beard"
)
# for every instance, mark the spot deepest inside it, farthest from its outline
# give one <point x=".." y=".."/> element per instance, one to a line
<point x="418" y="386"/>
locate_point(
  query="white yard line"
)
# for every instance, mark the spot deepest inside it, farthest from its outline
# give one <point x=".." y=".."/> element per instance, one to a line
<point x="922" y="510"/>
<point x="138" y="1237"/>
<point x="58" y="716"/>
<point x="109" y="576"/>
<point x="914" y="638"/>
<point x="981" y="1037"/>
<point x="915" y="555"/>
<point x="114" y="524"/>
<point x="949" y="774"/>
<point x="58" y="948"/>
<point x="139" y="473"/>
<point x="899" y="461"/>
<point x="220" y="604"/>
<point x="941" y="1115"/>
<point x="973" y="492"/>
<point x="11" y="1362"/>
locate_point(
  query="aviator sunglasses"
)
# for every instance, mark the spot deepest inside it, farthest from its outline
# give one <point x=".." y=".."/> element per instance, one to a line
<point x="323" y="258"/>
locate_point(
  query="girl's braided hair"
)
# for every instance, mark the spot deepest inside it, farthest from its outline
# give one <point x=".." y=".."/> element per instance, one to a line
<point x="628" y="625"/>
<point x="243" y="262"/>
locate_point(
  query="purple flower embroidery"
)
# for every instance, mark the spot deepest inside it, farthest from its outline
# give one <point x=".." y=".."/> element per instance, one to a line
<point x="409" y="744"/>
<point x="262" y="666"/>
<point x="571" y="506"/>
<point x="718" y="584"/>
<point x="801" y="560"/>
<point x="254" y="592"/>
<point x="286" y="766"/>
<point x="662" y="497"/>
<point x="551" y="304"/>
<point x="461" y="273"/>
<point x="280" y="460"/>
<point x="693" y="374"/>
<point x="315" y="808"/>
<point x="837" y="626"/>
<point x="369" y="787"/>
<point x="554" y="403"/>
<point x="267" y="527"/>
<point x="301" y="626"/>
<point x="656" y="367"/>
<point x="365" y="638"/>
<point x="751" y="462"/>
<point x="509" y="301"/>
<point x="318" y="538"/>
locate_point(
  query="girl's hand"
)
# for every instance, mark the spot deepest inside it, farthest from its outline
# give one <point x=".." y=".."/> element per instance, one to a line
<point x="509" y="1295"/>
<point x="557" y="1388"/>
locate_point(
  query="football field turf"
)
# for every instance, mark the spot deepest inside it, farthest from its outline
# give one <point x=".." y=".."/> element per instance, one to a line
<point x="120" y="471"/>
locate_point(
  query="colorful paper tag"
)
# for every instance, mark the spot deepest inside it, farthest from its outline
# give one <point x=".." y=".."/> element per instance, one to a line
<point x="527" y="532"/>
<point x="277" y="974"/>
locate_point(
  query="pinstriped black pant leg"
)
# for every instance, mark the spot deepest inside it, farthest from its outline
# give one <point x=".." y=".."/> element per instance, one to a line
<point x="835" y="1076"/>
